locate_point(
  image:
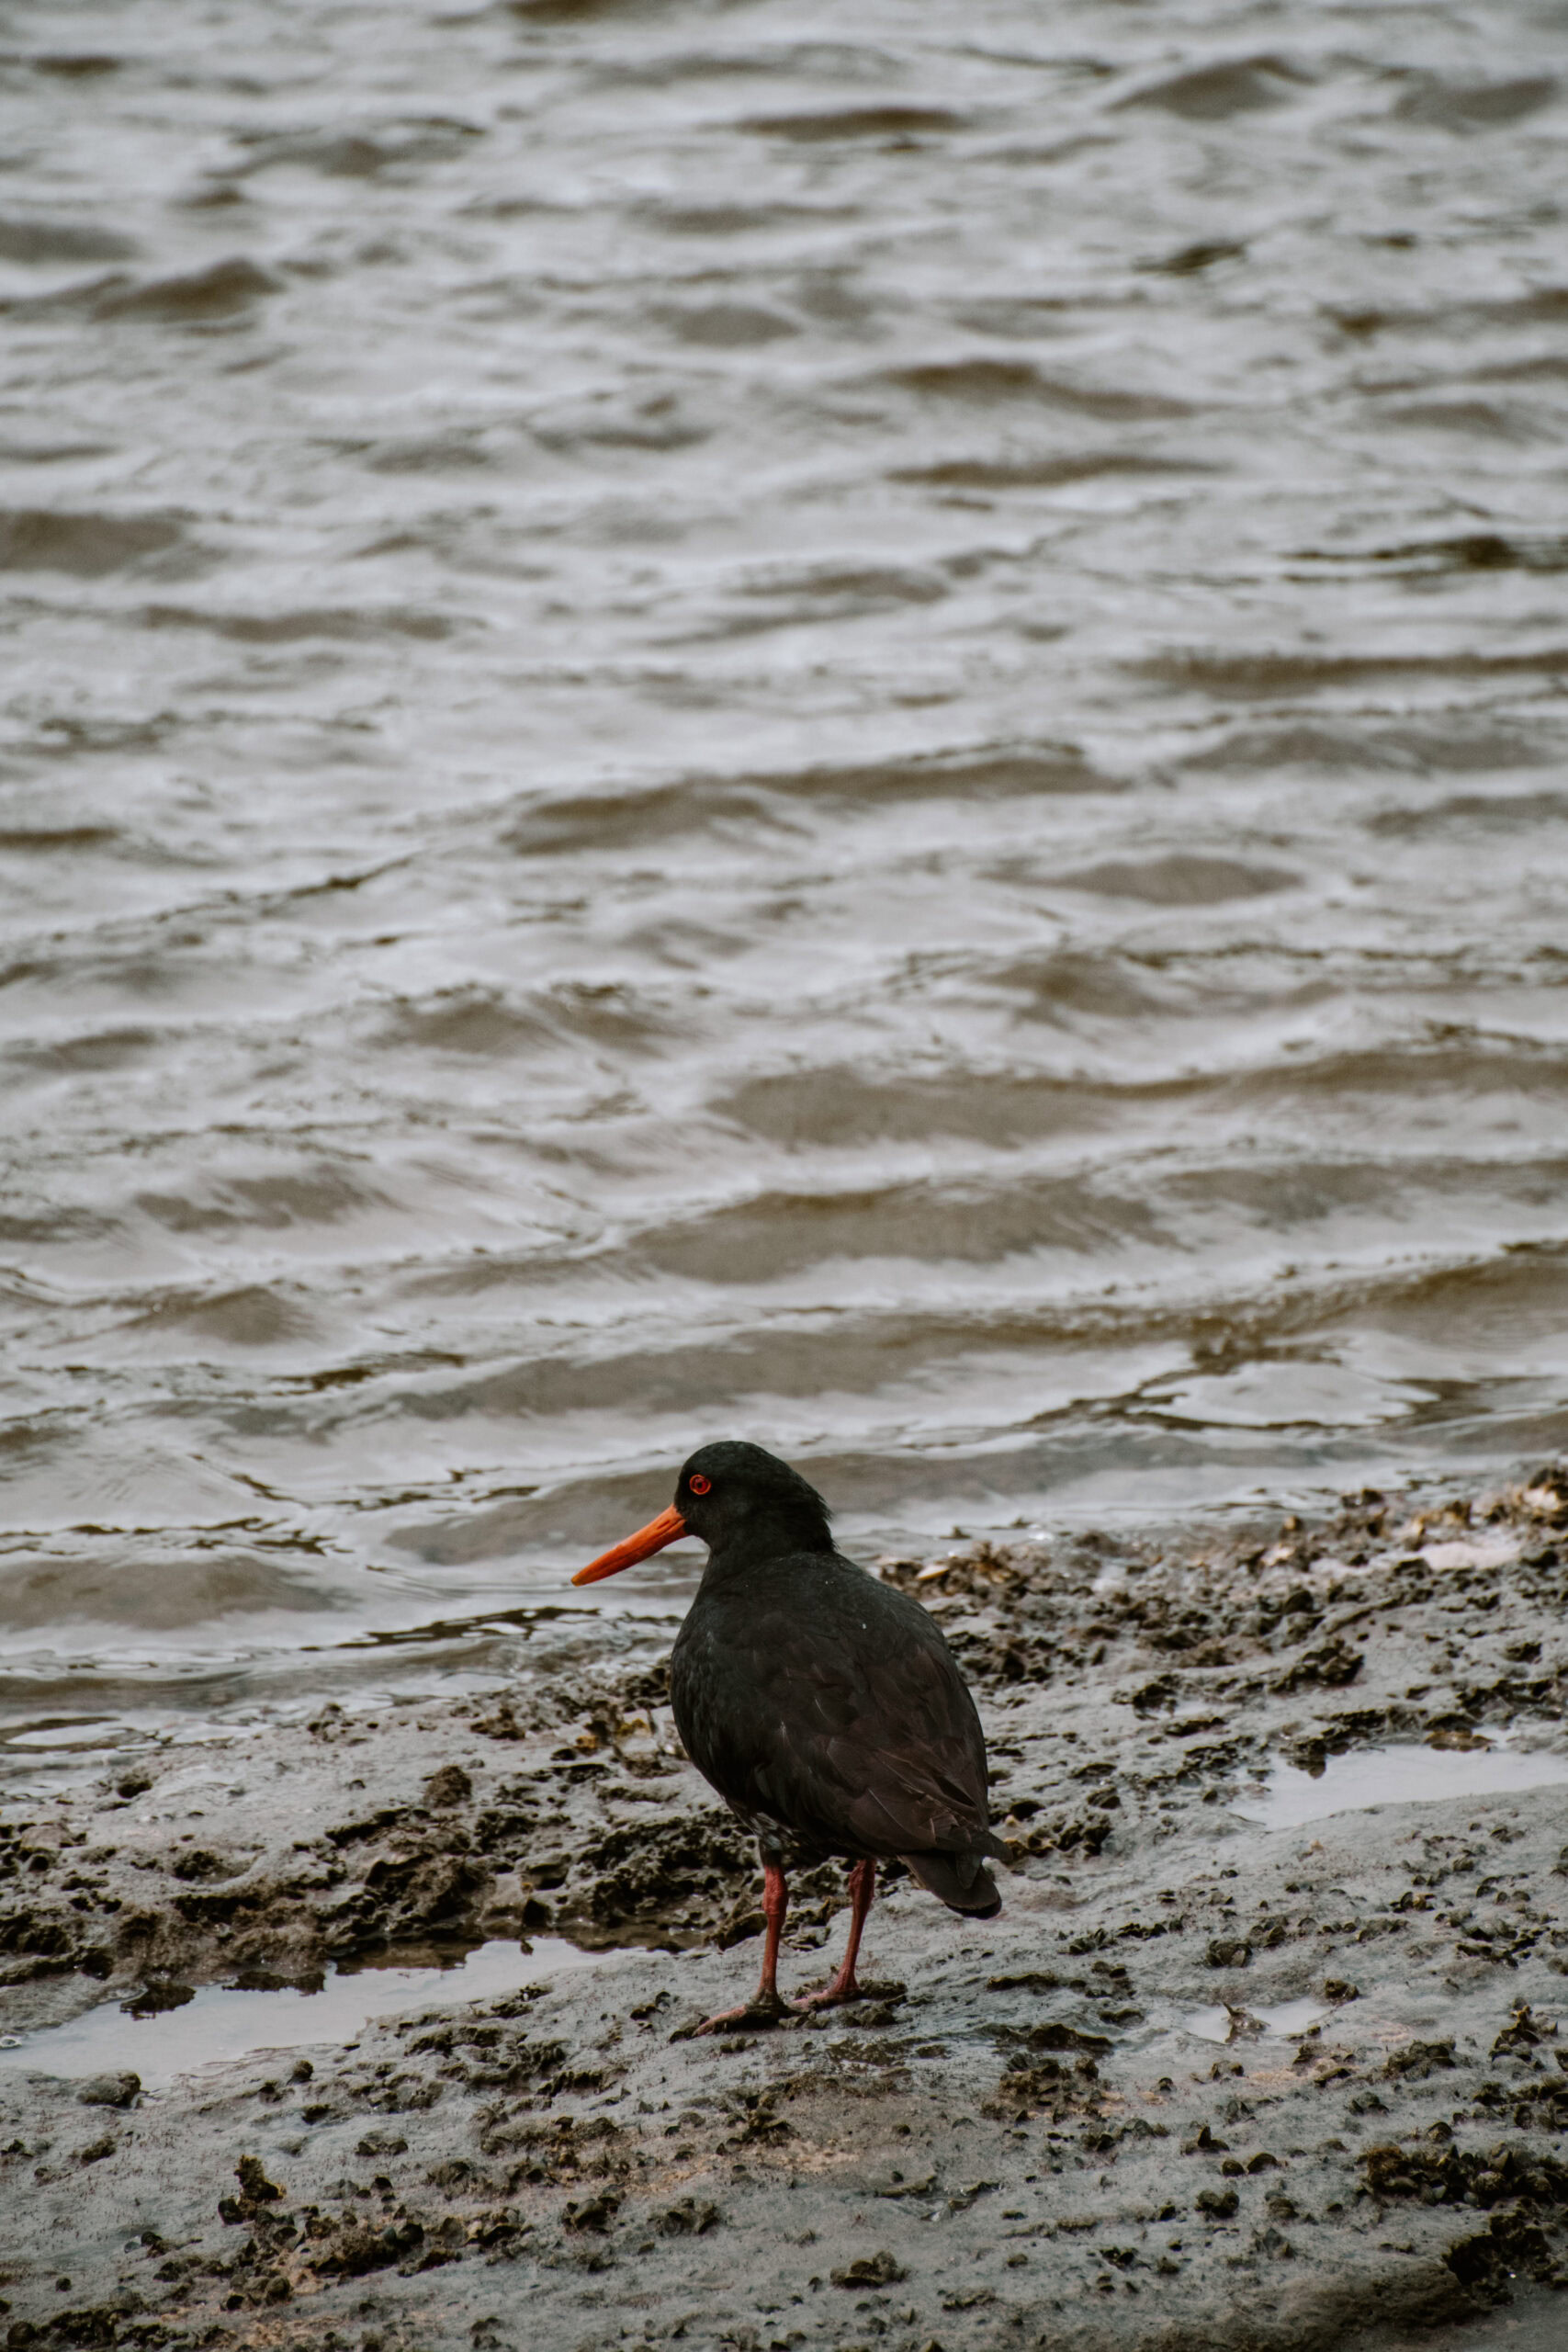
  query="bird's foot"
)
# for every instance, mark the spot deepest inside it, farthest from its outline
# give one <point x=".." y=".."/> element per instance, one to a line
<point x="833" y="1996"/>
<point x="751" y="2017"/>
<point x="829" y="1996"/>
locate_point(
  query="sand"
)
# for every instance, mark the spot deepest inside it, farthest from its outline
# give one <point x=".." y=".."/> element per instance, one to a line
<point x="1264" y="2049"/>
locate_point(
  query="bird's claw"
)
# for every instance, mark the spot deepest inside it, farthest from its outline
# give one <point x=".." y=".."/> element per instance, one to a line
<point x="829" y="1996"/>
<point x="751" y="2017"/>
<point x="834" y="1995"/>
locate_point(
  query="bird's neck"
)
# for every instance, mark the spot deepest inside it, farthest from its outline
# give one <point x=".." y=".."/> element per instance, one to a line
<point x="766" y="1534"/>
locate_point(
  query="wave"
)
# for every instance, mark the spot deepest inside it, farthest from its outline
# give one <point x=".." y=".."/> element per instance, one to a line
<point x="91" y="545"/>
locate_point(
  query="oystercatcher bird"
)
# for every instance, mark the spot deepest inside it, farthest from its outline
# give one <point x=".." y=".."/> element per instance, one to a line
<point x="824" y="1706"/>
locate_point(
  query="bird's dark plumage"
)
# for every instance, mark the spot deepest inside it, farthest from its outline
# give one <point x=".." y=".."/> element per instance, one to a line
<point x="824" y="1706"/>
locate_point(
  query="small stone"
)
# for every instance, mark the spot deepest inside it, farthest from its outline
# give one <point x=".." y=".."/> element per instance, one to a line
<point x="449" y="1786"/>
<point x="1417" y="2060"/>
<point x="877" y="2269"/>
<point x="255" y="2190"/>
<point x="688" y="2216"/>
<point x="110" y="2090"/>
<point x="591" y="2213"/>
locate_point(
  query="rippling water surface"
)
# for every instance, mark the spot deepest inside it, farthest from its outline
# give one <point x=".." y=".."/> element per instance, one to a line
<point x="745" y="719"/>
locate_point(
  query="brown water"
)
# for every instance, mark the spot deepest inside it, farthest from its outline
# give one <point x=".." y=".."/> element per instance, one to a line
<point x="728" y="719"/>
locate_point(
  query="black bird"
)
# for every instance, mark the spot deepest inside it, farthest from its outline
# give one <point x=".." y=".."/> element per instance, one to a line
<point x="824" y="1706"/>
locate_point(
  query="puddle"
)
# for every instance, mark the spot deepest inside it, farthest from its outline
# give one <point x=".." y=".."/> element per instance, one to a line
<point x="1485" y="1552"/>
<point x="1373" y="1776"/>
<point x="221" y="2022"/>
<point x="1219" y="2024"/>
<point x="67" y="1734"/>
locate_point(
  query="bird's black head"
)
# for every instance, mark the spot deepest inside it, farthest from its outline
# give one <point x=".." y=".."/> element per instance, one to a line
<point x="732" y="1493"/>
<point x="734" y="1497"/>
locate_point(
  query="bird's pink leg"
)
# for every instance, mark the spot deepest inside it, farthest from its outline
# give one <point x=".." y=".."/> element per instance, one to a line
<point x="845" y="1986"/>
<point x="764" y="2007"/>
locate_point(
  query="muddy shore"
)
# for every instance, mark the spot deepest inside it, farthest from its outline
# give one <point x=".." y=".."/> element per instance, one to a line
<point x="1264" y="2049"/>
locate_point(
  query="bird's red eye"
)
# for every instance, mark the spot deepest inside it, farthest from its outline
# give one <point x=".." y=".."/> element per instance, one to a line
<point x="698" y="1484"/>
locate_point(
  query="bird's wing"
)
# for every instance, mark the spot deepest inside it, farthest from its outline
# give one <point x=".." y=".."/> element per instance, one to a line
<point x="868" y="1740"/>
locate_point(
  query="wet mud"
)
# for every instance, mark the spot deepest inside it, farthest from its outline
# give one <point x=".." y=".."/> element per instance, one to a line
<point x="1219" y="2076"/>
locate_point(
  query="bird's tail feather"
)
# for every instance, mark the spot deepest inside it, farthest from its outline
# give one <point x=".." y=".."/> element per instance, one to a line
<point x="961" y="1880"/>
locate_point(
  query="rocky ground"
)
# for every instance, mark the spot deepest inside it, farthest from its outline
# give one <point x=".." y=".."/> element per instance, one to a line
<point x="1083" y="2125"/>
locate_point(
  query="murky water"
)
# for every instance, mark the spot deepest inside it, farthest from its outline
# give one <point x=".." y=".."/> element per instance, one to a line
<point x="1214" y="2022"/>
<point x="718" y="720"/>
<point x="1365" y="1777"/>
<point x="225" y="2022"/>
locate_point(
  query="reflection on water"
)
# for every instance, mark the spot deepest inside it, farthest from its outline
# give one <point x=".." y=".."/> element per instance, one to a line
<point x="219" y="2021"/>
<point x="715" y="721"/>
<point x="1218" y="2023"/>
<point x="1373" y="1776"/>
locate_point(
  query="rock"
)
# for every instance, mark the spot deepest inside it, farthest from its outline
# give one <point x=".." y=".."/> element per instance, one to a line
<point x="358" y="2249"/>
<point x="449" y="1786"/>
<point x="256" y="2192"/>
<point x="688" y="2217"/>
<point x="1417" y="2060"/>
<point x="201" y="1863"/>
<point x="591" y="2213"/>
<point x="110" y="2090"/>
<point x="870" y="2270"/>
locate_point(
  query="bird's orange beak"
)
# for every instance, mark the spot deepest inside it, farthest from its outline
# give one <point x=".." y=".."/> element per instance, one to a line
<point x="668" y="1527"/>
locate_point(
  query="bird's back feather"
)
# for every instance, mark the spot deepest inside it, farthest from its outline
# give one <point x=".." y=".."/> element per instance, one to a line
<point x="811" y="1694"/>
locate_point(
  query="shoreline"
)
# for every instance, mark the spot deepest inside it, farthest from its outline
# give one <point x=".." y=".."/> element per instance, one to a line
<point x="1027" y="2137"/>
